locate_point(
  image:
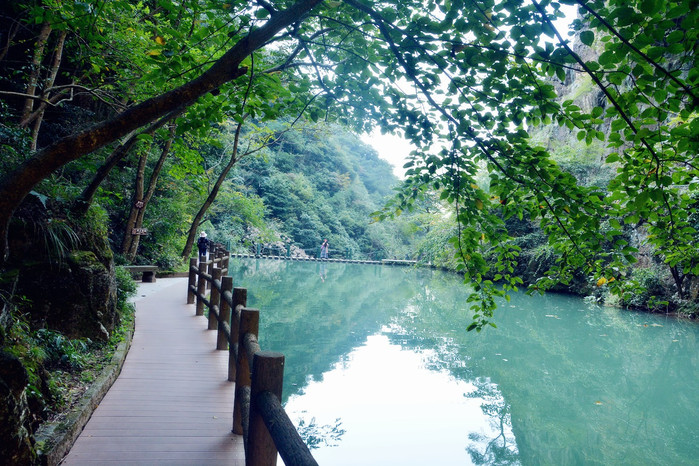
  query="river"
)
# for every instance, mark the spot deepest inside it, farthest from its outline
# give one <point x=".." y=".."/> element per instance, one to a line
<point x="381" y="371"/>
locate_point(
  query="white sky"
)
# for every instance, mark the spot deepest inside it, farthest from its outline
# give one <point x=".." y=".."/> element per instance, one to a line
<point x="392" y="148"/>
<point x="395" y="150"/>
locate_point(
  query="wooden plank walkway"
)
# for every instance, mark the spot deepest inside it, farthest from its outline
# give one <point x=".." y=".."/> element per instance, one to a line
<point x="172" y="403"/>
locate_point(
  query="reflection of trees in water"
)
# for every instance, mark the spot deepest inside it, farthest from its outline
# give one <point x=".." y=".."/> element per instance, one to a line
<point x="583" y="385"/>
<point x="316" y="323"/>
<point x="316" y="435"/>
<point x="501" y="449"/>
<point x="433" y="323"/>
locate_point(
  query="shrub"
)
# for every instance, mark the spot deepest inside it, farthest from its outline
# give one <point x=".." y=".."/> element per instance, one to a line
<point x="126" y="288"/>
<point x="61" y="352"/>
<point x="647" y="289"/>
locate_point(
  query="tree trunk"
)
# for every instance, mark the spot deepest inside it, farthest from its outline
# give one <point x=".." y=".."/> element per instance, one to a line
<point x="36" y="69"/>
<point x="149" y="193"/>
<point x="83" y="202"/>
<point x="678" y="276"/>
<point x="11" y="33"/>
<point x="135" y="202"/>
<point x="16" y="184"/>
<point x="38" y="116"/>
<point x="212" y="195"/>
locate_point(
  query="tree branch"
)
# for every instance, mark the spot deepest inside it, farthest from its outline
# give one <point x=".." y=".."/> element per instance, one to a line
<point x="16" y="184"/>
<point x="611" y="28"/>
<point x="267" y="6"/>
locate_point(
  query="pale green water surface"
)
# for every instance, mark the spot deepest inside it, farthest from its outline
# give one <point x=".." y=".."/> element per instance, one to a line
<point x="380" y="371"/>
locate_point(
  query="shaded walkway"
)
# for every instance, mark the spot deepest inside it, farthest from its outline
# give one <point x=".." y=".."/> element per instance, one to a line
<point x="172" y="403"/>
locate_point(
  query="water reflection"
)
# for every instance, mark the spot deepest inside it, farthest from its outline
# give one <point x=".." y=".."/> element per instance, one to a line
<point x="316" y="435"/>
<point x="323" y="271"/>
<point x="394" y="410"/>
<point x="559" y="382"/>
<point x="502" y="448"/>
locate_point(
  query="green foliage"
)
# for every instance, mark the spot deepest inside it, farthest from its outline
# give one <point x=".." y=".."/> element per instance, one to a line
<point x="500" y="89"/>
<point x="54" y="363"/>
<point x="14" y="142"/>
<point x="646" y="289"/>
<point x="315" y="182"/>
<point x="44" y="354"/>
<point x="468" y="83"/>
<point x="126" y="289"/>
<point x="59" y="238"/>
<point x="60" y="352"/>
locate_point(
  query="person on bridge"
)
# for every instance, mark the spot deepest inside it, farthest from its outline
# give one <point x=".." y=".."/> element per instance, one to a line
<point x="203" y="243"/>
<point x="324" y="249"/>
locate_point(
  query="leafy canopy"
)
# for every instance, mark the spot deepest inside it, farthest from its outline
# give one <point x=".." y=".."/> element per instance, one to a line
<point x="466" y="81"/>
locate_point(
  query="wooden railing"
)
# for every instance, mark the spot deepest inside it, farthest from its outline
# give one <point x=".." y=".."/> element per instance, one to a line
<point x="258" y="375"/>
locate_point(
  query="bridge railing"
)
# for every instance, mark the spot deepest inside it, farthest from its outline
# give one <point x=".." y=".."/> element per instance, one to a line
<point x="258" y="375"/>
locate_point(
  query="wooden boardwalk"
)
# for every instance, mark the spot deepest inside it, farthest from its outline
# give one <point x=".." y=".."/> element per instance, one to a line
<point x="172" y="403"/>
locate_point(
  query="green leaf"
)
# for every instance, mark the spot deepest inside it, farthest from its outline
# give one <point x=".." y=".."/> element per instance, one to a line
<point x="613" y="157"/>
<point x="587" y="37"/>
<point x="561" y="73"/>
<point x="618" y="124"/>
<point x="607" y="58"/>
<point x="649" y="7"/>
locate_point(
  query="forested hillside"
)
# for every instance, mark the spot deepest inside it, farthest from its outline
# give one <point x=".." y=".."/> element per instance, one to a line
<point x="314" y="182"/>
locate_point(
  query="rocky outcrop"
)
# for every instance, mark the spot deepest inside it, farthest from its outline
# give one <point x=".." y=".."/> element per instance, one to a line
<point x="76" y="298"/>
<point x="65" y="272"/>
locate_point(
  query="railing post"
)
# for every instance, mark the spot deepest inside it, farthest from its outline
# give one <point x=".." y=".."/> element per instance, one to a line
<point x="210" y="268"/>
<point x="201" y="286"/>
<point x="249" y="323"/>
<point x="221" y="339"/>
<point x="267" y="376"/>
<point x="225" y="261"/>
<point x="240" y="298"/>
<point x="192" y="280"/>
<point x="215" y="300"/>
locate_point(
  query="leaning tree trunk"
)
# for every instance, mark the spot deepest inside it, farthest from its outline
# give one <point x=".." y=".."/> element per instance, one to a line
<point x="149" y="193"/>
<point x="679" y="277"/>
<point x="83" y="202"/>
<point x="212" y="195"/>
<point x="15" y="185"/>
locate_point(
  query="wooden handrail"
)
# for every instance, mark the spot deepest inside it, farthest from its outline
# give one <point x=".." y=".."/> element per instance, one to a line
<point x="257" y="411"/>
<point x="279" y="425"/>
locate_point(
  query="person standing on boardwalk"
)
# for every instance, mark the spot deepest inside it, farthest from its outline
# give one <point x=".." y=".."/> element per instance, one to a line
<point x="203" y="243"/>
<point x="324" y="249"/>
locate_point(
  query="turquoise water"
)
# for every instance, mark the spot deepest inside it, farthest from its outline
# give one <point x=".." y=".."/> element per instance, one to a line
<point x="380" y="371"/>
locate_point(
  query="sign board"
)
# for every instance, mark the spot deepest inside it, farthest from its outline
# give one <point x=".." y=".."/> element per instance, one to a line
<point x="139" y="231"/>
